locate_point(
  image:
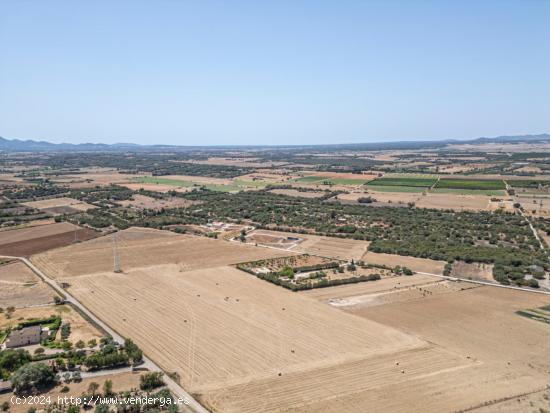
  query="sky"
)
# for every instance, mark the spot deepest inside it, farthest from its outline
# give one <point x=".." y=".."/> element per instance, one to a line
<point x="272" y="72"/>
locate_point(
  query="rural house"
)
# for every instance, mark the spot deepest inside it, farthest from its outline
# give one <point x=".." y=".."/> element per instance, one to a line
<point x="25" y="337"/>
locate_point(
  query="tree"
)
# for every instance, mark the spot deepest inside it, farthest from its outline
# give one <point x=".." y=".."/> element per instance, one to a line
<point x="32" y="378"/>
<point x="101" y="408"/>
<point x="108" y="388"/>
<point x="92" y="387"/>
<point x="133" y="351"/>
<point x="77" y="377"/>
<point x="67" y="377"/>
<point x="150" y="381"/>
<point x="5" y="406"/>
<point x="57" y="300"/>
<point x="11" y="360"/>
<point x="92" y="343"/>
<point x="80" y="344"/>
<point x="73" y="409"/>
<point x="39" y="350"/>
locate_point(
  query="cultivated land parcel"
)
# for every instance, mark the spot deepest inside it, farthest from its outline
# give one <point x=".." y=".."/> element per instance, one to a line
<point x="443" y="251"/>
<point x="244" y="345"/>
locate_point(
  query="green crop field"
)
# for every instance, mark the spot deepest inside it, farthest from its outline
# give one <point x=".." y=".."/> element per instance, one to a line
<point x="320" y="180"/>
<point x="451" y="191"/>
<point x="528" y="183"/>
<point x="471" y="184"/>
<point x="411" y="182"/>
<point x="162" y="181"/>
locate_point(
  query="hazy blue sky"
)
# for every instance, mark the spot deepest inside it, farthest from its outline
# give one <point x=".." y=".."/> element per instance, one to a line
<point x="272" y="72"/>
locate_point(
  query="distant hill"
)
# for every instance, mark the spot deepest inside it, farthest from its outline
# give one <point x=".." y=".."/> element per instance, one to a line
<point x="17" y="145"/>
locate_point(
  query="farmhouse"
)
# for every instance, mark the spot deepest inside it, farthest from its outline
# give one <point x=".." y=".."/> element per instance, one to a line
<point x="25" y="337"/>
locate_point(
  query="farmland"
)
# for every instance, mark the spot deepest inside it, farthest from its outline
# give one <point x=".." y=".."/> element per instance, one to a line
<point x="473" y="184"/>
<point x="402" y="181"/>
<point x="339" y="248"/>
<point x="276" y="342"/>
<point x="300" y="280"/>
<point x="465" y="321"/>
<point x="27" y="241"/>
<point x="20" y="287"/>
<point x="328" y="180"/>
<point x="139" y="247"/>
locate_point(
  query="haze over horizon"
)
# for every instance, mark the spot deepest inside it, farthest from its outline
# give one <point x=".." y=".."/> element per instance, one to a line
<point x="272" y="73"/>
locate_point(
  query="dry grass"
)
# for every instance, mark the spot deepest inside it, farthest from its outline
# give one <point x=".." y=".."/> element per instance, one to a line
<point x="341" y="248"/>
<point x="415" y="264"/>
<point x="146" y="202"/>
<point x="473" y="271"/>
<point x="59" y="202"/>
<point x="456" y="202"/>
<point x="20" y="287"/>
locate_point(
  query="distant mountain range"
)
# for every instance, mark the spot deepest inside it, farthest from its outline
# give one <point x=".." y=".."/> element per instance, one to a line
<point x="17" y="145"/>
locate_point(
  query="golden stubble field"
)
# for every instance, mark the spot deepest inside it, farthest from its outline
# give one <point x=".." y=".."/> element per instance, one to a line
<point x="243" y="345"/>
<point x="20" y="287"/>
<point x="510" y="352"/>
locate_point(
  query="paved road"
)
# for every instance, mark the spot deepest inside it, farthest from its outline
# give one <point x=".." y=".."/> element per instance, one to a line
<point x="192" y="406"/>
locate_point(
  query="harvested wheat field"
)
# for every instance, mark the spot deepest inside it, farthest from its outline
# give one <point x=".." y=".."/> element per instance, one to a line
<point x="244" y="345"/>
<point x="32" y="240"/>
<point x="60" y="206"/>
<point x="138" y="247"/>
<point x="415" y="264"/>
<point x="511" y="352"/>
<point x="341" y="248"/>
<point x="455" y="202"/>
<point x="20" y="287"/>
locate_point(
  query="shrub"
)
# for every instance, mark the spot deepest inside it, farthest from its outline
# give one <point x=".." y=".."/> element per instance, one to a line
<point x="150" y="381"/>
<point x="32" y="377"/>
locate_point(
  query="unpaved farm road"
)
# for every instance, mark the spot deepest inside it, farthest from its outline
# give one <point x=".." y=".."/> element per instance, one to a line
<point x="510" y="287"/>
<point x="192" y="406"/>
